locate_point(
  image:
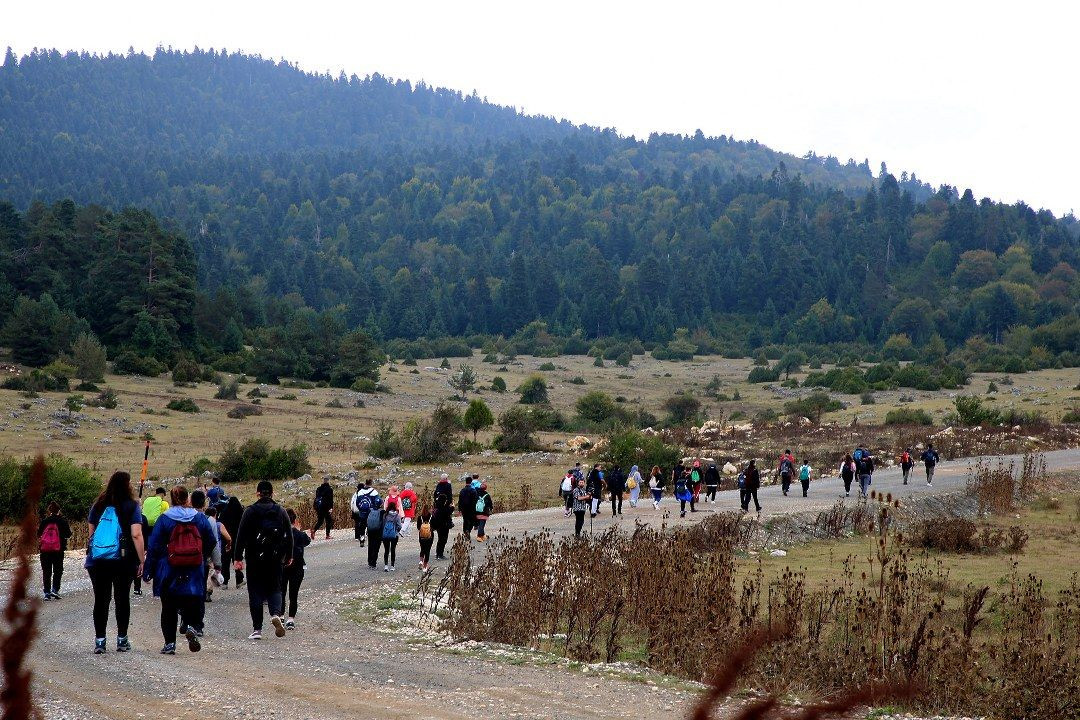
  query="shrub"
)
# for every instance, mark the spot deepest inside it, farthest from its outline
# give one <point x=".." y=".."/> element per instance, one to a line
<point x="445" y="364"/>
<point x="908" y="416"/>
<point x="682" y="409"/>
<point x="547" y="367"/>
<point x="624" y="358"/>
<point x="228" y="390"/>
<point x="1071" y="416"/>
<point x="812" y="406"/>
<point x="256" y="460"/>
<point x="515" y="431"/>
<point x="186" y="405"/>
<point x="433" y="440"/>
<point x="597" y="407"/>
<point x="970" y="411"/>
<point x="130" y="363"/>
<point x="72" y="487"/>
<point x="107" y="399"/>
<point x="88" y="358"/>
<point x="38" y="380"/>
<point x="545" y="418"/>
<point x="627" y="447"/>
<point x="74" y="403"/>
<point x="364" y="385"/>
<point x="867" y="398"/>
<point x="498" y="384"/>
<point x="287" y="396"/>
<point x="463" y="380"/>
<point x="384" y="443"/>
<point x="244" y="411"/>
<point x="598" y="362"/>
<point x="477" y="417"/>
<point x="763" y="374"/>
<point x="576" y="380"/>
<point x="533" y="391"/>
<point x="186" y="370"/>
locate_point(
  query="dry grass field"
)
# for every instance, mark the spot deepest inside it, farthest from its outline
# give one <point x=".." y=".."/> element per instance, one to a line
<point x="105" y="440"/>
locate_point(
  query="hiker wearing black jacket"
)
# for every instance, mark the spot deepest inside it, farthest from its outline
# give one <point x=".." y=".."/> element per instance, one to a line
<point x="324" y="506"/>
<point x="712" y="482"/>
<point x="595" y="486"/>
<point x="930" y="459"/>
<point x="864" y="465"/>
<point x="442" y="518"/>
<point x="230" y="517"/>
<point x="264" y="539"/>
<point x="467" y="506"/>
<point x="751" y="483"/>
<point x="616" y="485"/>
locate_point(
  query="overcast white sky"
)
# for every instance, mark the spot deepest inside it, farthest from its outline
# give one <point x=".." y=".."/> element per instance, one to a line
<point x="974" y="94"/>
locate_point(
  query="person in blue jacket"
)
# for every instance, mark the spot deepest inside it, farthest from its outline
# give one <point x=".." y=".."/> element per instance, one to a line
<point x="176" y="558"/>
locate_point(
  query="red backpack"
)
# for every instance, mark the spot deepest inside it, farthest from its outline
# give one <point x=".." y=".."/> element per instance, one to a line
<point x="185" y="546"/>
<point x="50" y="538"/>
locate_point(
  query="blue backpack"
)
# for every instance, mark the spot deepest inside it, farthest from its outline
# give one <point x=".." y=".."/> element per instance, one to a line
<point x="106" y="543"/>
<point x="857" y="456"/>
<point x="390" y="527"/>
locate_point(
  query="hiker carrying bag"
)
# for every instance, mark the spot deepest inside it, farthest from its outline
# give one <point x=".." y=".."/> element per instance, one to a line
<point x="50" y="538"/>
<point x="152" y="509"/>
<point x="481" y="503"/>
<point x="804" y="473"/>
<point x="374" y="519"/>
<point x="424" y="531"/>
<point x="107" y="542"/>
<point x="267" y="542"/>
<point x="185" y="547"/>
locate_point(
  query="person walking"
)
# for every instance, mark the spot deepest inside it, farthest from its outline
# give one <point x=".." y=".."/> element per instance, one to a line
<point x="215" y="496"/>
<point x="176" y="557"/>
<point x="847" y="473"/>
<point x="582" y="504"/>
<point x="595" y="485"/>
<point x="906" y="463"/>
<point x="616" y="487"/>
<point x="484" y="508"/>
<point x="114" y="556"/>
<point x="864" y="467"/>
<point x="682" y="491"/>
<point x="443" y="520"/>
<point x="633" y="483"/>
<point x="786" y="469"/>
<point x="324" y="508"/>
<point x="579" y="474"/>
<point x="362" y="502"/>
<point x="696" y="480"/>
<point x="53" y="534"/>
<point x="391" y="530"/>
<point x="656" y="486"/>
<point x="217" y="557"/>
<point x="407" y="503"/>
<point x="230" y="517"/>
<point x="425" y="533"/>
<point x="152" y="508"/>
<point x="374" y="535"/>
<point x="293" y="574"/>
<point x="467" y="507"/>
<point x="265" y="541"/>
<point x="712" y="482"/>
<point x="751" y="483"/>
<point x="566" y="492"/>
<point x="930" y="459"/>
<point x="805" y="472"/>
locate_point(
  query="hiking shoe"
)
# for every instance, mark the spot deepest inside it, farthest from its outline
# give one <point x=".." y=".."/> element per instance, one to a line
<point x="216" y="579"/>
<point x="290" y="624"/>
<point x="392" y="568"/>
<point x="137" y="593"/>
<point x="255" y="635"/>
<point x="386" y="568"/>
<point x="193" y="643"/>
<point x="55" y="595"/>
<point x="123" y="644"/>
<point x="169" y="649"/>
<point x="46" y="596"/>
<point x="279" y="626"/>
<point x="183" y="628"/>
<point x="99" y="646"/>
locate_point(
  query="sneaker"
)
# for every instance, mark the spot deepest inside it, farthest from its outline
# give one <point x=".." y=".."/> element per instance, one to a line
<point x="137" y="593"/>
<point x="847" y="494"/>
<point x="682" y="514"/>
<point x="169" y="649"/>
<point x="255" y="635"/>
<point x="183" y="628"/>
<point x="123" y="644"/>
<point x="392" y="568"/>
<point x="217" y="579"/>
<point x="386" y="568"/>
<point x="290" y="624"/>
<point x="239" y="584"/>
<point x="209" y="596"/>
<point x="55" y="595"/>
<point x="99" y="646"/>
<point x="279" y="626"/>
<point x="193" y="643"/>
<point x="46" y="596"/>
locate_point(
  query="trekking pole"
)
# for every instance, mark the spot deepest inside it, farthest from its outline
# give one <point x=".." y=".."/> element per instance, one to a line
<point x="145" y="465"/>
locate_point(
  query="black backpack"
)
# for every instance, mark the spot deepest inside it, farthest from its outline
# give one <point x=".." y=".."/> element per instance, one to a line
<point x="266" y="545"/>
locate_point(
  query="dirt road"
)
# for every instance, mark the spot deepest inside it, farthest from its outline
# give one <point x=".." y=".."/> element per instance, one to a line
<point x="335" y="667"/>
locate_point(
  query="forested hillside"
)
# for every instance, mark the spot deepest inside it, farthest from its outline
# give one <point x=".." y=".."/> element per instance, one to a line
<point x="317" y="205"/>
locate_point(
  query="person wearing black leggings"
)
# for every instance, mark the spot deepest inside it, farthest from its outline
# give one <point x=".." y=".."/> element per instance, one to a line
<point x="391" y="528"/>
<point x="53" y="545"/>
<point x="293" y="575"/>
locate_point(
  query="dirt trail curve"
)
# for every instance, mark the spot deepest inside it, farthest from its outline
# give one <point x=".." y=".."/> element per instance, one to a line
<point x="332" y="667"/>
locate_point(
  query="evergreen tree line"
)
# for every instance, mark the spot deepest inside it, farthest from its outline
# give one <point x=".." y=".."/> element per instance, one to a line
<point x="319" y="205"/>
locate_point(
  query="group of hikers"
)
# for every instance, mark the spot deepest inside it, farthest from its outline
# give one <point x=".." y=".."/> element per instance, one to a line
<point x="189" y="543"/>
<point x="695" y="482"/>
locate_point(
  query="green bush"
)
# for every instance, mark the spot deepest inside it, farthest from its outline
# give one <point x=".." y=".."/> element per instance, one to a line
<point x="533" y="391"/>
<point x="515" y="431"/>
<point x="431" y="440"/>
<point x="498" y="384"/>
<point x="186" y="370"/>
<point x="970" y="411"/>
<point x="908" y="416"/>
<point x="365" y="385"/>
<point x="598" y="362"/>
<point x="107" y="399"/>
<point x="385" y="443"/>
<point x="812" y="406"/>
<point x="1071" y="416"/>
<point x="576" y="380"/>
<point x="39" y="380"/>
<point x="623" y="359"/>
<point x="186" y="405"/>
<point x="255" y="460"/>
<point x="597" y="407"/>
<point x="72" y="487"/>
<point x="627" y="447"/>
<point x="763" y="374"/>
<point x="228" y="390"/>
<point x="244" y="411"/>
<point x="130" y="363"/>
<point x="547" y="367"/>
